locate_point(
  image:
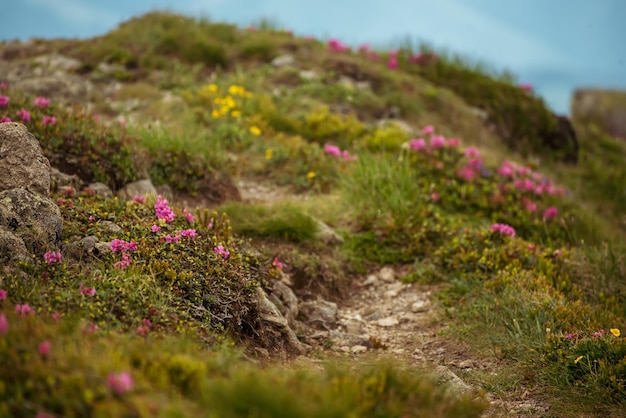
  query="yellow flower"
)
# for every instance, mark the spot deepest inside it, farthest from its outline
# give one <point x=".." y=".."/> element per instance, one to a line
<point x="235" y="90"/>
<point x="235" y="114"/>
<point x="310" y="175"/>
<point x="268" y="154"/>
<point x="215" y="114"/>
<point x="254" y="130"/>
<point x="212" y="88"/>
<point x="615" y="332"/>
<point x="578" y="359"/>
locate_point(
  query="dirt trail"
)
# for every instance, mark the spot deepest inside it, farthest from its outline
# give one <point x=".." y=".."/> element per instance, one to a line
<point x="383" y="316"/>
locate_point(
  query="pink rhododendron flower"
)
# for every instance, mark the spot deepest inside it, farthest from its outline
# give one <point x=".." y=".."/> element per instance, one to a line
<point x="120" y="383"/>
<point x="550" y="212"/>
<point x="437" y="141"/>
<point x="472" y="152"/>
<point x="41" y="102"/>
<point x="429" y="129"/>
<point x="528" y="88"/>
<point x="503" y="229"/>
<point x="155" y="228"/>
<point x="453" y="142"/>
<point x="24" y="115"/>
<point x="5" y="119"/>
<point x="530" y="205"/>
<point x="96" y="117"/>
<point x="4" y="85"/>
<point x="121" y="246"/>
<point x="190" y="218"/>
<point x="434" y="196"/>
<point x="332" y="150"/>
<point x="4" y="324"/>
<point x="467" y="173"/>
<point x="347" y="157"/>
<point x="56" y="316"/>
<point x="24" y="309"/>
<point x="600" y="333"/>
<point x="44" y="348"/>
<point x="189" y="233"/>
<point x="3" y="294"/>
<point x="337" y="46"/>
<point x="364" y="48"/>
<point x="392" y="63"/>
<point x="505" y="170"/>
<point x="52" y="257"/>
<point x="143" y="330"/>
<point x="87" y="291"/>
<point x="49" y="120"/>
<point x="163" y="210"/>
<point x="373" y="56"/>
<point x="417" y="144"/>
<point x="124" y="263"/>
<point x="277" y="263"/>
<point x="139" y="199"/>
<point x="221" y="251"/>
<point x="4" y="101"/>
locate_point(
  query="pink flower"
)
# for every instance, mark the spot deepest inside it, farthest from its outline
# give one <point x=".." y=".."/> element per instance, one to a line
<point x="42" y="414"/>
<point x="528" y="88"/>
<point x="189" y="233"/>
<point x="189" y="216"/>
<point x="52" y="257"/>
<point x="221" y="251"/>
<point x="96" y="117"/>
<point x="139" y="199"/>
<point x="345" y="154"/>
<point x="156" y="228"/>
<point x="392" y="63"/>
<point x="332" y="150"/>
<point x="434" y="196"/>
<point x="24" y="115"/>
<point x="4" y="324"/>
<point x="44" y="348"/>
<point x="570" y="336"/>
<point x="453" y="142"/>
<point x="120" y="383"/>
<point x="277" y="263"/>
<point x="143" y="330"/>
<point x="91" y="218"/>
<point x="5" y="119"/>
<point x="24" y="309"/>
<point x="121" y="246"/>
<point x="4" y="101"/>
<point x="467" y="173"/>
<point x="146" y="322"/>
<point x="503" y="229"/>
<point x="337" y="46"/>
<point x="122" y="265"/>
<point x="3" y="294"/>
<point x="429" y="129"/>
<point x="87" y="291"/>
<point x="373" y="56"/>
<point x="600" y="333"/>
<point x="91" y="328"/>
<point x="210" y="225"/>
<point x="437" y="141"/>
<point x="506" y="169"/>
<point x="56" y="316"/>
<point x="472" y="152"/>
<point x="417" y="144"/>
<point x="49" y="120"/>
<point x="163" y="210"/>
<point x="550" y="212"/>
<point x="4" y="85"/>
<point x="364" y="48"/>
<point x="530" y="205"/>
<point x="41" y="102"/>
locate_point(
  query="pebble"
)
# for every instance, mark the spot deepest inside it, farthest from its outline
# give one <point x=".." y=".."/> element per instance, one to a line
<point x="390" y="321"/>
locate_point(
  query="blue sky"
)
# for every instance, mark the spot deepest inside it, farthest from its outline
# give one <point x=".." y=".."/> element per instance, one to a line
<point x="556" y="45"/>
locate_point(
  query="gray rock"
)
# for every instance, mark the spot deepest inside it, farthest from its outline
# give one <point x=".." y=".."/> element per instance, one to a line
<point x="101" y="189"/>
<point x="12" y="246"/>
<point x="137" y="188"/>
<point x="81" y="249"/>
<point x="398" y="124"/>
<point x="328" y="235"/>
<point x="57" y="62"/>
<point x="454" y="382"/>
<point x="22" y="163"/>
<point x="283" y="61"/>
<point x="386" y="274"/>
<point x="59" y="180"/>
<point x="309" y="75"/>
<point x="36" y="219"/>
<point x="109" y="226"/>
<point x="322" y="312"/>
<point x="288" y="300"/>
<point x="166" y="191"/>
<point x="269" y="313"/>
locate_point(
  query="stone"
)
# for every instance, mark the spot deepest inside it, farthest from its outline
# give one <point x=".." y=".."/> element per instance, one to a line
<point x="288" y="300"/>
<point x="60" y="180"/>
<point x="22" y="163"/>
<point x="454" y="382"/>
<point x="57" y="62"/>
<point x="101" y="189"/>
<point x="137" y="188"/>
<point x="327" y="235"/>
<point x="80" y="249"/>
<point x="319" y="311"/>
<point x="356" y="349"/>
<point x="419" y="306"/>
<point x="371" y="280"/>
<point x="284" y="61"/>
<point x="166" y="191"/>
<point x="111" y="227"/>
<point x="12" y="247"/>
<point x="386" y="274"/>
<point x="269" y="313"/>
<point x="309" y="75"/>
<point x="390" y="321"/>
<point x="36" y="219"/>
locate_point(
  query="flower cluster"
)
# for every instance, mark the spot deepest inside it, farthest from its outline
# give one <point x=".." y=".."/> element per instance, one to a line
<point x="163" y="209"/>
<point x="503" y="229"/>
<point x="123" y="247"/>
<point x="53" y="257"/>
<point x="24" y="309"/>
<point x="335" y="151"/>
<point x="335" y="45"/>
<point x="220" y="250"/>
<point x="277" y="263"/>
<point x="188" y="233"/>
<point x="120" y="383"/>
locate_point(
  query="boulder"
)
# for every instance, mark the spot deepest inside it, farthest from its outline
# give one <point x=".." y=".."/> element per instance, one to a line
<point x="137" y="188"/>
<point x="22" y="163"/>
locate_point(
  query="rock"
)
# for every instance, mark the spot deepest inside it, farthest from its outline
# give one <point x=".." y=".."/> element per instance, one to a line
<point x="269" y="313"/>
<point x="358" y="349"/>
<point x="288" y="301"/>
<point x="386" y="274"/>
<point x="402" y="125"/>
<point x="328" y="235"/>
<point x="59" y="180"/>
<point x="137" y="188"/>
<point x="390" y="321"/>
<point x="101" y="248"/>
<point x="79" y="250"/>
<point x="36" y="219"/>
<point x="309" y="75"/>
<point x="419" y="306"/>
<point x="57" y="62"/>
<point x="322" y="312"/>
<point x="371" y="280"/>
<point x="101" y="189"/>
<point x="62" y="86"/>
<point x="12" y="246"/>
<point x="22" y="163"/>
<point x="166" y="191"/>
<point x="283" y="61"/>
<point x="454" y="382"/>
<point x="109" y="226"/>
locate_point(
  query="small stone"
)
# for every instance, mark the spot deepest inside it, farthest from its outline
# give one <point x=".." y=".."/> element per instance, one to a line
<point x="137" y="188"/>
<point x="390" y="294"/>
<point x="358" y="349"/>
<point x="308" y="75"/>
<point x="371" y="280"/>
<point x="419" y="306"/>
<point x="390" y="321"/>
<point x="386" y="274"/>
<point x="283" y="61"/>
<point x="109" y="226"/>
<point x="466" y="364"/>
<point x="101" y="189"/>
